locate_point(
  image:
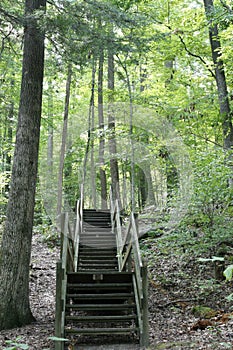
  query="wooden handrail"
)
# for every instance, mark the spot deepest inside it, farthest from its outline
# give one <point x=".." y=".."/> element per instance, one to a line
<point x="69" y="259"/>
<point x="129" y="259"/>
<point x="78" y="227"/>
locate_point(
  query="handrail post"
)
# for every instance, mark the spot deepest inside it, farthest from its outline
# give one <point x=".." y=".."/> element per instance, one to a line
<point x="59" y="305"/>
<point x="62" y="233"/>
<point x="81" y="206"/>
<point x="145" y="321"/>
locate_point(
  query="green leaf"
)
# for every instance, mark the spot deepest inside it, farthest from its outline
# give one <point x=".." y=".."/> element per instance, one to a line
<point x="217" y="258"/>
<point x="204" y="260"/>
<point x="214" y="258"/>
<point x="58" y="339"/>
<point x="23" y="346"/>
<point x="230" y="297"/>
<point x="228" y="272"/>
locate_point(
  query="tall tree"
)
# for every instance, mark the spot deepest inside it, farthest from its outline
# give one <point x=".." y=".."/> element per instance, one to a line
<point x="16" y="242"/>
<point x="103" y="179"/>
<point x="63" y="143"/>
<point x="111" y="124"/>
<point x="223" y="97"/>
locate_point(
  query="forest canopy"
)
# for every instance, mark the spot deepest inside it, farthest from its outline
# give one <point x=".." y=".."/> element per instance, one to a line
<point x="162" y="59"/>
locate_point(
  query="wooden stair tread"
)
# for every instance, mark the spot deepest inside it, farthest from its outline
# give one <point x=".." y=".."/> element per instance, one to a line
<point x="101" y="331"/>
<point x="100" y="296"/>
<point x="98" y="263"/>
<point x="103" y="318"/>
<point x="98" y="285"/>
<point x="100" y="306"/>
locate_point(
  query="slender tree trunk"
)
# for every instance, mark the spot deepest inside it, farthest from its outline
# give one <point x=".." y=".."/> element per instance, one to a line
<point x="111" y="125"/>
<point x="132" y="160"/>
<point x="9" y="139"/>
<point x="103" y="180"/>
<point x="90" y="140"/>
<point x="16" y="242"/>
<point x="145" y="178"/>
<point x="50" y="133"/>
<point x="220" y="78"/>
<point x="63" y="144"/>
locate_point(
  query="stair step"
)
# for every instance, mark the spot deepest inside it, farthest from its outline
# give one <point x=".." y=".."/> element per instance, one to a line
<point x="98" y="245"/>
<point x="99" y="285"/>
<point x="97" y="251"/>
<point x="103" y="318"/>
<point x="100" y="233"/>
<point x="92" y="229"/>
<point x="101" y="276"/>
<point x="96" y="235"/>
<point x="97" y="240"/>
<point x="97" y="217"/>
<point x="83" y="258"/>
<point x="97" y="258"/>
<point x="93" y="260"/>
<point x="98" y="223"/>
<point x="101" y="296"/>
<point x="95" y="269"/>
<point x="101" y="307"/>
<point x="97" y="264"/>
<point x="101" y="331"/>
<point x="87" y="250"/>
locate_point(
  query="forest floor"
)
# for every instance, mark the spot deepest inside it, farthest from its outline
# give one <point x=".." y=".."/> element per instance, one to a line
<point x="188" y="307"/>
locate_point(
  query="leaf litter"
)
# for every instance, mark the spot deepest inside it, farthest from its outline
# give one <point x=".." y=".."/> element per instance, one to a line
<point x="178" y="287"/>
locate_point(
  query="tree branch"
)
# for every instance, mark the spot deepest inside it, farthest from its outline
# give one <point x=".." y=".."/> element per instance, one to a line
<point x="227" y="7"/>
<point x="10" y="17"/>
<point x="5" y="37"/>
<point x="196" y="56"/>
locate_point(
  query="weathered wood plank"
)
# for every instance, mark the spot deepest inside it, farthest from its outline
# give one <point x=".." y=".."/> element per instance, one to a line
<point x="59" y="304"/>
<point x="144" y="341"/>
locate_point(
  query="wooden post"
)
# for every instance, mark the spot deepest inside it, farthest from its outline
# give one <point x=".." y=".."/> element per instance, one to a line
<point x="59" y="305"/>
<point x="62" y="233"/>
<point x="145" y="321"/>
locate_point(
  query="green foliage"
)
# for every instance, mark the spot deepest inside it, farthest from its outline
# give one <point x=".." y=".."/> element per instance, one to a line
<point x="16" y="345"/>
<point x="212" y="195"/>
<point x="228" y="272"/>
<point x="213" y="259"/>
<point x="165" y="52"/>
<point x="58" y="339"/>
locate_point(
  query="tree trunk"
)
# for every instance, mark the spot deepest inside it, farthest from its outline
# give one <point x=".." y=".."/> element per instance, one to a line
<point x="112" y="138"/>
<point x="63" y="144"/>
<point x="90" y="140"/>
<point x="220" y="78"/>
<point x="50" y="133"/>
<point x="16" y="242"/>
<point x="103" y="180"/>
<point x="145" y="182"/>
<point x="9" y="139"/>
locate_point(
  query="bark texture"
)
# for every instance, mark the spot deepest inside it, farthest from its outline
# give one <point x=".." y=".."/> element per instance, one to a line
<point x="63" y="144"/>
<point x="16" y="243"/>
<point x="102" y="173"/>
<point x="112" y="138"/>
<point x="223" y="97"/>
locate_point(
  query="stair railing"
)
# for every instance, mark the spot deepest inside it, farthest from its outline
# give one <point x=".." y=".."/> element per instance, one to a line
<point x="78" y="226"/>
<point x="129" y="259"/>
<point x="68" y="263"/>
<point x="116" y="226"/>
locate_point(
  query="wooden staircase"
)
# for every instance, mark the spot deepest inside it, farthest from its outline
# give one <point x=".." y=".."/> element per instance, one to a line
<point x="96" y="297"/>
<point x="97" y="242"/>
